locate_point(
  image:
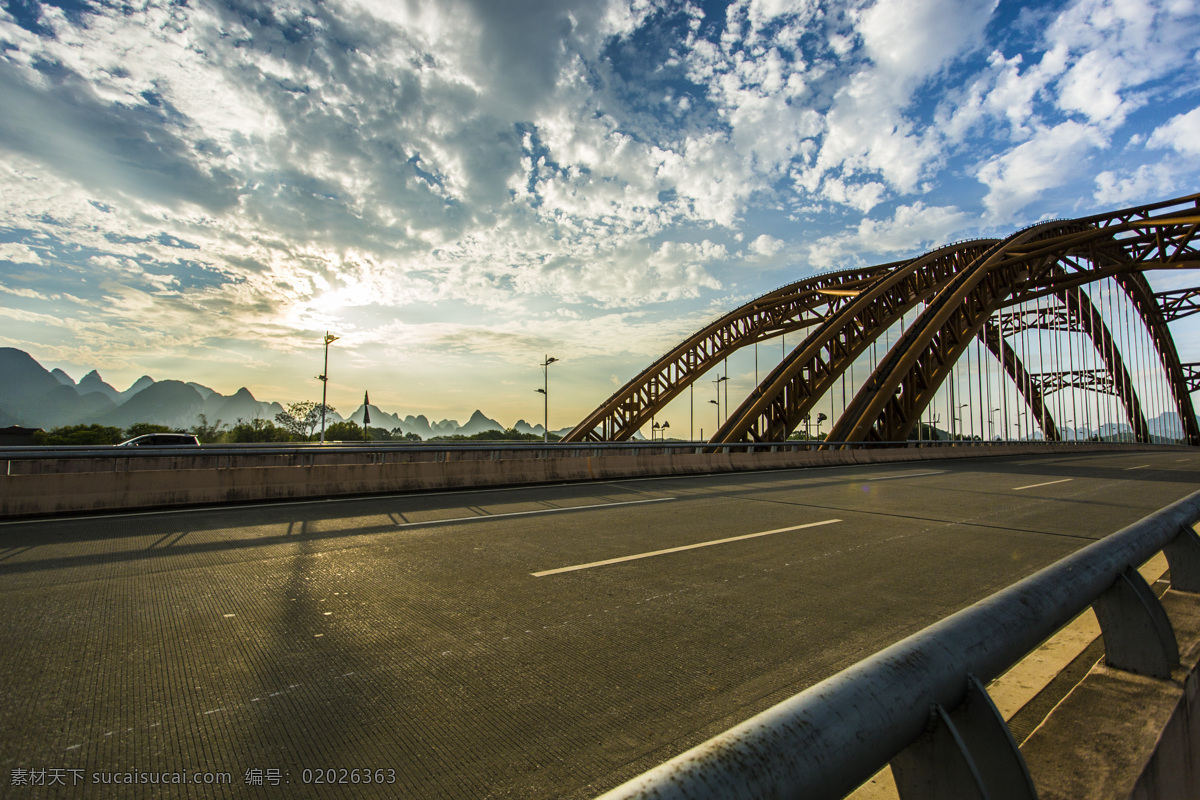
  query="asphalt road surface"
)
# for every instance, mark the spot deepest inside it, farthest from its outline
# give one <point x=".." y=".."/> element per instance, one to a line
<point x="545" y="642"/>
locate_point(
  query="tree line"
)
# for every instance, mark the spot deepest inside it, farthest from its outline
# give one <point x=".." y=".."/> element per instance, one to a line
<point x="301" y="422"/>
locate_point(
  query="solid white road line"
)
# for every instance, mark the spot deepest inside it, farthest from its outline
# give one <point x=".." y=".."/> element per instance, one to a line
<point x="481" y="517"/>
<point x="544" y="573"/>
<point x="1047" y="483"/>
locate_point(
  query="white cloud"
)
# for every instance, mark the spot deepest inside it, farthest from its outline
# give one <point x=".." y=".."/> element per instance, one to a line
<point x="1115" y="47"/>
<point x="912" y="39"/>
<point x="1147" y="182"/>
<point x="1000" y="92"/>
<point x="17" y="291"/>
<point x="19" y="253"/>
<point x="863" y="197"/>
<point x="867" y="132"/>
<point x="766" y="245"/>
<point x="1180" y="133"/>
<point x="912" y="229"/>
<point x="1048" y="160"/>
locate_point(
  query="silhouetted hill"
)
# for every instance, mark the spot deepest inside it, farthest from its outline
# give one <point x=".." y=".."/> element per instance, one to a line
<point x="524" y="427"/>
<point x="92" y="382"/>
<point x="204" y="391"/>
<point x="32" y="396"/>
<point x="24" y="380"/>
<point x="241" y="405"/>
<point x="93" y="404"/>
<point x="418" y="425"/>
<point x="141" y="383"/>
<point x="171" y="403"/>
<point x="379" y="418"/>
<point x="478" y="423"/>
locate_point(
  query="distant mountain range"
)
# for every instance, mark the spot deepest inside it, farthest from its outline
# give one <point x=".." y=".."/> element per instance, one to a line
<point x="32" y="396"/>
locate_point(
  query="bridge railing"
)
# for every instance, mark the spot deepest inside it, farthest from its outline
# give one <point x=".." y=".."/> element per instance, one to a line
<point x="432" y="451"/>
<point x="920" y="704"/>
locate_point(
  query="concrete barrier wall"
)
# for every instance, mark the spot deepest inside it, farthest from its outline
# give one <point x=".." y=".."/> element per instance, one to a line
<point x="34" y="488"/>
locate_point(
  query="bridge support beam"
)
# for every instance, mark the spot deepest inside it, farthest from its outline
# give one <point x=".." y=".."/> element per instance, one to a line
<point x="969" y="753"/>
<point x="1138" y="637"/>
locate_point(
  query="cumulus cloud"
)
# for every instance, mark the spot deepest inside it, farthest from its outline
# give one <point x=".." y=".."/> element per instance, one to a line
<point x="19" y="253"/>
<point x="766" y="245"/>
<point x="909" y="40"/>
<point x="1115" y="47"/>
<point x="1180" y="133"/>
<point x="1047" y="160"/>
<point x="1100" y="65"/>
<point x="911" y="230"/>
<point x="1147" y="182"/>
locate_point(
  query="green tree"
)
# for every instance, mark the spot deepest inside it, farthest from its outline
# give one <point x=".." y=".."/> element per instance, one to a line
<point x="143" y="428"/>
<point x="79" y="435"/>
<point x="394" y="435"/>
<point x="207" y="433"/>
<point x="510" y="435"/>
<point x="257" y="430"/>
<point x="347" y="431"/>
<point x="301" y="419"/>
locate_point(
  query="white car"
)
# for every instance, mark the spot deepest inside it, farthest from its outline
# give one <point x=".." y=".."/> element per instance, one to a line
<point x="162" y="440"/>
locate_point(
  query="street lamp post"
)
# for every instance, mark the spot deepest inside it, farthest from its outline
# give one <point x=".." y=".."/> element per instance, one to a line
<point x="718" y="405"/>
<point x="991" y="424"/>
<point x="324" y="378"/>
<point x="717" y="383"/>
<point x="958" y="418"/>
<point x="545" y="392"/>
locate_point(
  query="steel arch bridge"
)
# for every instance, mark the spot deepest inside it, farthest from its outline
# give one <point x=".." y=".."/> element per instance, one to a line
<point x="1060" y="314"/>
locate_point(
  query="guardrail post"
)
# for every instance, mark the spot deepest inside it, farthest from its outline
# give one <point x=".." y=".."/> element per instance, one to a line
<point x="1138" y="636"/>
<point x="1183" y="554"/>
<point x="969" y="754"/>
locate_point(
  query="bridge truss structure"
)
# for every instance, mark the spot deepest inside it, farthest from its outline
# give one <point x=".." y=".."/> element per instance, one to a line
<point x="1053" y="332"/>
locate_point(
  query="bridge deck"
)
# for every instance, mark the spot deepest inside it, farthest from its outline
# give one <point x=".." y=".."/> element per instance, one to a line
<point x="411" y="635"/>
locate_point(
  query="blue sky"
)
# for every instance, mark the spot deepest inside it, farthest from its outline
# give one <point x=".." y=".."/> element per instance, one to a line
<point x="200" y="190"/>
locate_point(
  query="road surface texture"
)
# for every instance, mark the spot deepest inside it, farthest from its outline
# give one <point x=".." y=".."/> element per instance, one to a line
<point x="527" y="643"/>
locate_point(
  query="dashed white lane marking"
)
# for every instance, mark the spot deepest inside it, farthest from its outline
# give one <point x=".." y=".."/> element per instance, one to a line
<point x="1140" y="466"/>
<point x="1036" y="485"/>
<point x="653" y="553"/>
<point x="481" y="517"/>
<point x="905" y="475"/>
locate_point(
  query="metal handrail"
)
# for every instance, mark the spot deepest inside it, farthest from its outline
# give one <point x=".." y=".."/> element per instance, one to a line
<point x="308" y="449"/>
<point x="828" y="739"/>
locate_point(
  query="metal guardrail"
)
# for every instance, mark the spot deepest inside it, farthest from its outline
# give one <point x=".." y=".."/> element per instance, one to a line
<point x="920" y="704"/>
<point x="308" y="449"/>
